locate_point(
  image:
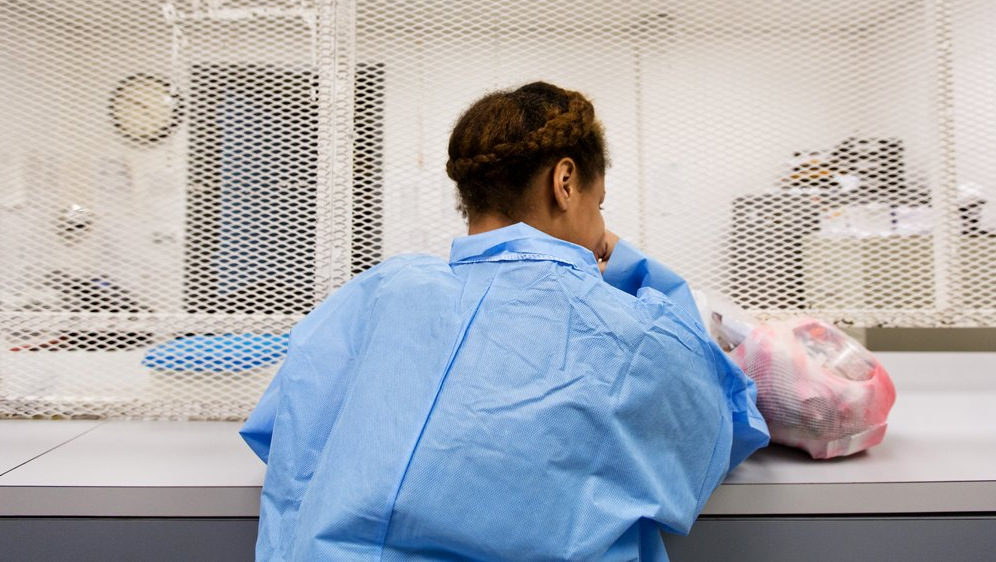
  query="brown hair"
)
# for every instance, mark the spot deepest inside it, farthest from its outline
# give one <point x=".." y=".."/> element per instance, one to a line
<point x="507" y="137"/>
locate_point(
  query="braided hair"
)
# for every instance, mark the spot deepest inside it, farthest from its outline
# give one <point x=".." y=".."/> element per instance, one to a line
<point x="499" y="145"/>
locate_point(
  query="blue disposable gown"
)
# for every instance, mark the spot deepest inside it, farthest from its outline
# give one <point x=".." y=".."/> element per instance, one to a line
<point x="508" y="405"/>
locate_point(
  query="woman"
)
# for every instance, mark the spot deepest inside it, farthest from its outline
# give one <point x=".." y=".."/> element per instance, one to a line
<point x="547" y="393"/>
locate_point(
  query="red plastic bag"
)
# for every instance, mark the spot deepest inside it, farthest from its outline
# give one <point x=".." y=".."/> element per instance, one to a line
<point x="818" y="389"/>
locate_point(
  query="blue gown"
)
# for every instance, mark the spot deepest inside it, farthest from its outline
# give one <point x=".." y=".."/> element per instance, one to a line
<point x="508" y="405"/>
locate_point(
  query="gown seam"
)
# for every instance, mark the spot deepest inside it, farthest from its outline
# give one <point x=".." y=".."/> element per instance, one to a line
<point x="449" y="365"/>
<point x="520" y="257"/>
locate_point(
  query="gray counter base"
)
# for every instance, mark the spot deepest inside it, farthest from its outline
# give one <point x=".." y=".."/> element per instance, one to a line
<point x="83" y="539"/>
<point x="832" y="539"/>
<point x="761" y="539"/>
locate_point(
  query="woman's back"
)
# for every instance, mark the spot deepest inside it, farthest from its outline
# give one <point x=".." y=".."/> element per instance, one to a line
<point x="509" y="404"/>
<point x="548" y="393"/>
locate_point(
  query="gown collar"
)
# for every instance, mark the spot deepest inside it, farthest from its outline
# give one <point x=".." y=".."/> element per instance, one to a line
<point x="521" y="242"/>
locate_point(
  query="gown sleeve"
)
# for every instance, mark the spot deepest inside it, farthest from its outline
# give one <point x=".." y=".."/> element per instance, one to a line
<point x="258" y="429"/>
<point x="297" y="376"/>
<point x="630" y="270"/>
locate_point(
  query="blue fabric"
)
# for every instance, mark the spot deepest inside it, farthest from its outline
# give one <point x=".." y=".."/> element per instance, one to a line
<point x="226" y="352"/>
<point x="631" y="271"/>
<point x="507" y="405"/>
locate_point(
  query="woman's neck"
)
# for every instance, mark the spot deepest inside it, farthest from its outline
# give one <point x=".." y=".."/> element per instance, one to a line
<point x="487" y="222"/>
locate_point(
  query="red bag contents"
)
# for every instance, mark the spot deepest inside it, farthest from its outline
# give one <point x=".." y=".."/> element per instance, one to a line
<point x="817" y="388"/>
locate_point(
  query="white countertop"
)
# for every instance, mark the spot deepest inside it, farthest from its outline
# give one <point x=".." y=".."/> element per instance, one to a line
<point x="939" y="455"/>
<point x="132" y="468"/>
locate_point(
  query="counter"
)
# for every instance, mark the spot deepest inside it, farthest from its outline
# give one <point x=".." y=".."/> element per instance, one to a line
<point x="938" y="460"/>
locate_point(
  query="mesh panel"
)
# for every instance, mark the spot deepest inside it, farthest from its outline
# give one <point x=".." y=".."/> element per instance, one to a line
<point x="190" y="177"/>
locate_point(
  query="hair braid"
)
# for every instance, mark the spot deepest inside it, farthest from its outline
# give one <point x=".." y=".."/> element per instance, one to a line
<point x="504" y="138"/>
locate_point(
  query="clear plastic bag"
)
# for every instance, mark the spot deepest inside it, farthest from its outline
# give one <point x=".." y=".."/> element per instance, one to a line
<point x="728" y="324"/>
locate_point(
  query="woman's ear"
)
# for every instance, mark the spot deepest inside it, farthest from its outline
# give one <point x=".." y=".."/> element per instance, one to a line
<point x="565" y="184"/>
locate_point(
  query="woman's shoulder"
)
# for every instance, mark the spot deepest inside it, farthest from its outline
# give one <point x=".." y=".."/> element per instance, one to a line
<point x="401" y="265"/>
<point x="400" y="262"/>
<point x="394" y="280"/>
<point x="391" y="271"/>
<point x="649" y="314"/>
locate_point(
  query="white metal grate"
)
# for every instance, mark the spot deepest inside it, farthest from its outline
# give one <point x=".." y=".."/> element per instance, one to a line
<point x="180" y="181"/>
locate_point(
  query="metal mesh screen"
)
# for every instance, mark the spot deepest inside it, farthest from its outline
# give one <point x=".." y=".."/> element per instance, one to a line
<point x="181" y="181"/>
